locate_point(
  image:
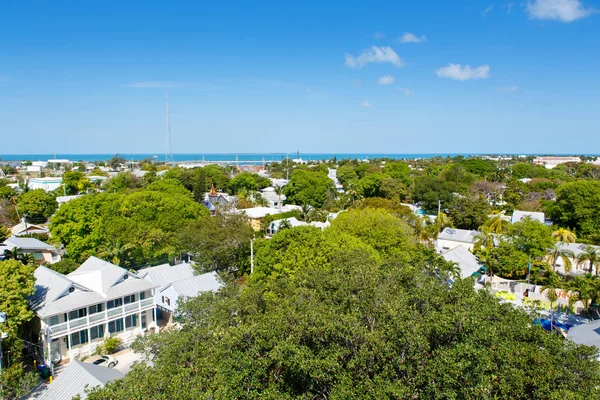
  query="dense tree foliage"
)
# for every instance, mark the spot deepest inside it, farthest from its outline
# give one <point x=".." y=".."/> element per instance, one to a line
<point x="16" y="285"/>
<point x="469" y="212"/>
<point x="37" y="204"/>
<point x="219" y="243"/>
<point x="147" y="221"/>
<point x="308" y="188"/>
<point x="75" y="182"/>
<point x="578" y="207"/>
<point x="358" y="328"/>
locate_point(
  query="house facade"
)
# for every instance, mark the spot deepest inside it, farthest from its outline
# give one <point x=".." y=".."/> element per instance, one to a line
<point x="42" y="252"/>
<point x="174" y="283"/>
<point x="98" y="300"/>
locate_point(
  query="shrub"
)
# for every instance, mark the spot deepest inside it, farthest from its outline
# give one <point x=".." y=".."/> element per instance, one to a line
<point x="109" y="345"/>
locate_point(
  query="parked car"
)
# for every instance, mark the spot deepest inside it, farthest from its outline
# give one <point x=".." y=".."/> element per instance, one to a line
<point x="105" y="361"/>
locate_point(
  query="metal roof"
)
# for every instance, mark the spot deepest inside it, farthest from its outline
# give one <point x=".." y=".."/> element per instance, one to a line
<point x="191" y="287"/>
<point x="459" y="235"/>
<point x="464" y="258"/>
<point x="536" y="216"/>
<point x="588" y="334"/>
<point x="165" y="274"/>
<point x="74" y="379"/>
<point x="26" y="243"/>
<point x="96" y="283"/>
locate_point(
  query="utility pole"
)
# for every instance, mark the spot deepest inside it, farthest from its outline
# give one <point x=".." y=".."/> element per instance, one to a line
<point x="251" y="256"/>
<point x="439" y="207"/>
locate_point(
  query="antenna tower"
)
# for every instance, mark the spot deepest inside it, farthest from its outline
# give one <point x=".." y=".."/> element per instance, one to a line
<point x="169" y="142"/>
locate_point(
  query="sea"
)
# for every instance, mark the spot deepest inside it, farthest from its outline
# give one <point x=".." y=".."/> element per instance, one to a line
<point x="241" y="158"/>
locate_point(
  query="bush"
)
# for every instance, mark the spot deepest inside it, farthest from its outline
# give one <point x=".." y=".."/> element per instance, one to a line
<point x="109" y="345"/>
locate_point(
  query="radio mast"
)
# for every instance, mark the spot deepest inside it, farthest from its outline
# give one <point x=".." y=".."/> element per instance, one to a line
<point x="169" y="140"/>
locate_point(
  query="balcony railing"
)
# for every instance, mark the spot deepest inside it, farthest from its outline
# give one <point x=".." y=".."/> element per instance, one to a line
<point x="131" y="306"/>
<point x="114" y="312"/>
<point x="97" y="317"/>
<point x="75" y="323"/>
<point x="146" y="302"/>
<point x="59" y="328"/>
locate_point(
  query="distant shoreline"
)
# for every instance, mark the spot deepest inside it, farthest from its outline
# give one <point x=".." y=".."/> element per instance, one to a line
<point x="249" y="157"/>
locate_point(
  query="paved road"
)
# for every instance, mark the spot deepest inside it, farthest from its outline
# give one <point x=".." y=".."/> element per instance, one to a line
<point x="126" y="358"/>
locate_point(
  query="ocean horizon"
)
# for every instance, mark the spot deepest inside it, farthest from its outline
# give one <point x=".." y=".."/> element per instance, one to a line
<point x="242" y="158"/>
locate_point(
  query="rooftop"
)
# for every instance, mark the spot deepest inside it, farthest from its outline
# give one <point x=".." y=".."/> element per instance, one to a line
<point x="27" y="243"/>
<point x="76" y="376"/>
<point x="458" y="235"/>
<point x="520" y="215"/>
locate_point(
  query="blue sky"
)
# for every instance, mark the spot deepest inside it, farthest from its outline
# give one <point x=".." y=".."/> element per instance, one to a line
<point x="315" y="76"/>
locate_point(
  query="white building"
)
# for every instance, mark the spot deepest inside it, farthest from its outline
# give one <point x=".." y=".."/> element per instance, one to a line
<point x="177" y="282"/>
<point x="466" y="261"/>
<point x="293" y="222"/>
<point x="272" y="198"/>
<point x="451" y="238"/>
<point x="520" y="215"/>
<point x="551" y="162"/>
<point x="97" y="300"/>
<point x="48" y="184"/>
<point x="42" y="252"/>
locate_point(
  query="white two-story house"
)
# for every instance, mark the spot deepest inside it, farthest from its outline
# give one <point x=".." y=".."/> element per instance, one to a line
<point x="98" y="300"/>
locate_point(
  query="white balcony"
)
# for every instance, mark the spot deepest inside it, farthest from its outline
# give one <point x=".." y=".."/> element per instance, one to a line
<point x="97" y="317"/>
<point x="146" y="302"/>
<point x="132" y="306"/>
<point x="76" y="323"/>
<point x="59" y="328"/>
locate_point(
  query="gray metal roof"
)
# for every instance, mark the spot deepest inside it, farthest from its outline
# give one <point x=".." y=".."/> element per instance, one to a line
<point x="588" y="334"/>
<point x="90" y="286"/>
<point x="536" y="216"/>
<point x="464" y="258"/>
<point x="576" y="248"/>
<point x="459" y="235"/>
<point x="164" y="275"/>
<point x="191" y="287"/>
<point x="26" y="243"/>
<point x="74" y="379"/>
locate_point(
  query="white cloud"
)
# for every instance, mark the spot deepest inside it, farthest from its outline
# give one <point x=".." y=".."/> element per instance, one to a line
<point x="152" y="85"/>
<point x="375" y="55"/>
<point x="379" y="35"/>
<point x="366" y="104"/>
<point x="487" y="11"/>
<point x="561" y="10"/>
<point x="509" y="6"/>
<point x="405" y="91"/>
<point x="508" y="89"/>
<point x="460" y="73"/>
<point x="412" y="38"/>
<point x="386" y="80"/>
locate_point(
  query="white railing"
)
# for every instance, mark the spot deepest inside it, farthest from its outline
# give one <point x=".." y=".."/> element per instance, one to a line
<point x="97" y="316"/>
<point x="59" y="328"/>
<point x="74" y="323"/>
<point x="114" y="312"/>
<point x="131" y="306"/>
<point x="146" y="302"/>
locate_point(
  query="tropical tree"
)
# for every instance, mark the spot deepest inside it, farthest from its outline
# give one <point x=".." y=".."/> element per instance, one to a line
<point x="485" y="239"/>
<point x="116" y="251"/>
<point x="5" y="232"/>
<point x="497" y="224"/>
<point x="551" y="288"/>
<point x="279" y="192"/>
<point x="591" y="255"/>
<point x="564" y="235"/>
<point x="422" y="229"/>
<point x="586" y="288"/>
<point x="560" y="253"/>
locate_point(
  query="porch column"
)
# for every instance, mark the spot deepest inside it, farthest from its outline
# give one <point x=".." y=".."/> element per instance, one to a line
<point x="70" y="347"/>
<point x="89" y="331"/>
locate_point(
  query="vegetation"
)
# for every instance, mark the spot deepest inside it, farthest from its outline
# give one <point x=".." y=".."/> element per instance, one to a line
<point x="37" y="204"/>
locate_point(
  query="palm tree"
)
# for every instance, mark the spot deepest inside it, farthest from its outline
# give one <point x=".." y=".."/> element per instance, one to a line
<point x="485" y="239"/>
<point x="560" y="254"/>
<point x="552" y="296"/>
<point x="115" y="251"/>
<point x="27" y="259"/>
<point x="591" y="255"/>
<point x="586" y="289"/>
<point x="422" y="230"/>
<point x="564" y="235"/>
<point x="279" y="192"/>
<point x="497" y="224"/>
<point x="443" y="221"/>
<point x="13" y="254"/>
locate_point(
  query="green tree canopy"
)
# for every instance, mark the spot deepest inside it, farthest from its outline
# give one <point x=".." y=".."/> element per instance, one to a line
<point x="75" y="182"/>
<point x="357" y="329"/>
<point x="248" y="181"/>
<point x="37" y="204"/>
<point x="469" y="212"/>
<point x="308" y="187"/>
<point x="578" y="208"/>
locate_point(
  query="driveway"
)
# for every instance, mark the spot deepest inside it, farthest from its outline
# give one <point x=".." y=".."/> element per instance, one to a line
<point x="126" y="358"/>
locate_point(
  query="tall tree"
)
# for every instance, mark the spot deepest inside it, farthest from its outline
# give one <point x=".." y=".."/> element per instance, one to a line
<point x="37" y="204"/>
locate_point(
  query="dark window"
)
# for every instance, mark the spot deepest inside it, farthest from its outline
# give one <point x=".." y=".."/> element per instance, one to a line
<point x="130" y="321"/>
<point x="100" y="361"/>
<point x="97" y="332"/>
<point x="82" y="312"/>
<point x="129" y="299"/>
<point x="95" y="309"/>
<point x="114" y="303"/>
<point x="115" y="326"/>
<point x="142" y="295"/>
<point x="54" y="320"/>
<point x="79" y="338"/>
